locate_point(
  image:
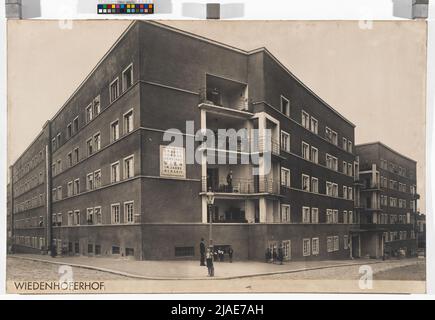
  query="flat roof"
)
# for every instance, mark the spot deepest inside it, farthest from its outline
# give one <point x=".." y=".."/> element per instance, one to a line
<point x="386" y="147"/>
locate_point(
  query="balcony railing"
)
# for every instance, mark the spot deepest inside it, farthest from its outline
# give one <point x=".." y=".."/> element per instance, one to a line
<point x="262" y="144"/>
<point x="242" y="186"/>
<point x="215" y="97"/>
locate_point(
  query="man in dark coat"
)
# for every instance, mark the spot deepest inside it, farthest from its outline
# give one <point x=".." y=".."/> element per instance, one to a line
<point x="202" y="252"/>
<point x="230" y="254"/>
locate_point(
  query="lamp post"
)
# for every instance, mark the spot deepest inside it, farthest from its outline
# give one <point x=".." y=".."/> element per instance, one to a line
<point x="210" y="201"/>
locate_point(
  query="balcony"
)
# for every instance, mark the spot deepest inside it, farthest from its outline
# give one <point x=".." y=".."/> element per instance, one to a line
<point x="241" y="186"/>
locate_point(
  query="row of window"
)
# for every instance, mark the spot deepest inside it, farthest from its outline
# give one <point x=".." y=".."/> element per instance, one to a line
<point x="33" y="242"/>
<point x="94" y="215"/>
<point x="395" y="202"/>
<point x="28" y="184"/>
<point x="93" y="179"/>
<point x="23" y="169"/>
<point x="311" y="184"/>
<point x="395" y="168"/>
<point x="398" y="235"/>
<point x="394" y="219"/>
<point x="94" y="107"/>
<point x="395" y="185"/>
<point x="93" y="144"/>
<point x="311" y="215"/>
<point x="312" y="246"/>
<point x="32" y="203"/>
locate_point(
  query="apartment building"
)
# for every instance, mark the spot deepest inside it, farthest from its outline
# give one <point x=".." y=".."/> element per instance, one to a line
<point x="102" y="179"/>
<point x="388" y="199"/>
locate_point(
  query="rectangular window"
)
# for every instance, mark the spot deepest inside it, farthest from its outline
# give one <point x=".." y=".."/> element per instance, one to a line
<point x="76" y="124"/>
<point x="331" y="162"/>
<point x="285" y="177"/>
<point x="305" y="182"/>
<point x="350" y="217"/>
<point x="114" y="172"/>
<point x="305" y="151"/>
<point x="345" y="167"/>
<point x="350" y="193"/>
<point x="345" y="221"/>
<point x="314" y="185"/>
<point x="90" y="216"/>
<point x="349" y="146"/>
<point x="76" y="186"/>
<point x="285" y="141"/>
<point x="344" y="192"/>
<point x="128" y="122"/>
<point x="336" y="243"/>
<point x="77" y="218"/>
<point x="334" y="216"/>
<point x="70" y="218"/>
<point x="286" y="248"/>
<point x="344" y="143"/>
<point x="97" y="141"/>
<point x="114" y="130"/>
<point x="89" y="146"/>
<point x="114" y="90"/>
<point x="98" y="215"/>
<point x="305" y="120"/>
<point x="334" y="138"/>
<point x="97" y="179"/>
<point x="349" y="169"/>
<point x="70" y="159"/>
<point x="129" y="167"/>
<point x="285" y="213"/>
<point x="306" y="247"/>
<point x="127" y="78"/>
<point x="329" y="189"/>
<point x="129" y="212"/>
<point x="89" y="113"/>
<point x="305" y="214"/>
<point x="345" y="242"/>
<point x="314" y="215"/>
<point x="69" y="130"/>
<point x="314" y="155"/>
<point x="315" y="246"/>
<point x="314" y="125"/>
<point x="90" y="181"/>
<point x="69" y="189"/>
<point x="76" y="155"/>
<point x="115" y="214"/>
<point x="59" y="193"/>
<point x="285" y="106"/>
<point x="96" y="106"/>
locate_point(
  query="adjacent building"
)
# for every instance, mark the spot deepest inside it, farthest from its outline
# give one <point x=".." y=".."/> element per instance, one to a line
<point x="103" y="179"/>
<point x="388" y="200"/>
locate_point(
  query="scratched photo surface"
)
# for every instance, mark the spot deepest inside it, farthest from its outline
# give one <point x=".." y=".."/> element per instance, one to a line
<point x="216" y="157"/>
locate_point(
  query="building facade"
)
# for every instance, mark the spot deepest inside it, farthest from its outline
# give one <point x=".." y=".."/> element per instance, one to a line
<point x="388" y="200"/>
<point x="102" y="178"/>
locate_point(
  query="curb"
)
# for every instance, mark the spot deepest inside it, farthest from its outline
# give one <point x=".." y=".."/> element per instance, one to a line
<point x="136" y="276"/>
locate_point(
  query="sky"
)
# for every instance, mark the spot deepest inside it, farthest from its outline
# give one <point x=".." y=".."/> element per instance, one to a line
<point x="373" y="74"/>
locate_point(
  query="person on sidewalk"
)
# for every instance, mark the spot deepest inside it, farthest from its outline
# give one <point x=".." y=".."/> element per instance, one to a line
<point x="280" y="255"/>
<point x="230" y="254"/>
<point x="210" y="265"/>
<point x="202" y="252"/>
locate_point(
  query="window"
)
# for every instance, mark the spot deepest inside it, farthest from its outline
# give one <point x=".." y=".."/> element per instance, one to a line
<point x="344" y="192"/>
<point x="285" y="141"/>
<point x="114" y="130"/>
<point x="97" y="141"/>
<point x="305" y="151"/>
<point x="336" y="243"/>
<point x="70" y="218"/>
<point x="334" y="216"/>
<point x="128" y="122"/>
<point x="90" y="215"/>
<point x="314" y="125"/>
<point x="331" y="162"/>
<point x="53" y="143"/>
<point x="116" y="250"/>
<point x="76" y="186"/>
<point x="315" y="246"/>
<point x="77" y="217"/>
<point x="305" y="182"/>
<point x="328" y="215"/>
<point x="115" y="213"/>
<point x="114" y="172"/>
<point x="314" y="155"/>
<point x="127" y="78"/>
<point x="344" y="143"/>
<point x="285" y="106"/>
<point x="345" y="242"/>
<point x="97" y="179"/>
<point x="314" y="215"/>
<point x="70" y="159"/>
<point x="69" y="130"/>
<point x="59" y="193"/>
<point x="350" y="193"/>
<point x="76" y="155"/>
<point x="59" y="166"/>
<point x="129" y="167"/>
<point x="285" y="177"/>
<point x="314" y="185"/>
<point x="96" y="106"/>
<point x="306" y="247"/>
<point x="345" y="167"/>
<point x="305" y="120"/>
<point x="90" y="181"/>
<point x="286" y="249"/>
<point x="89" y="113"/>
<point x="89" y="146"/>
<point x="129" y="212"/>
<point x="305" y="215"/>
<point x="349" y="146"/>
<point x="98" y="215"/>
<point x="285" y="213"/>
<point x="334" y="138"/>
<point x="345" y="221"/>
<point x="331" y="136"/>
<point x="114" y="90"/>
<point x="349" y="169"/>
<point x="329" y="190"/>
<point x="350" y="217"/>
<point x="76" y="124"/>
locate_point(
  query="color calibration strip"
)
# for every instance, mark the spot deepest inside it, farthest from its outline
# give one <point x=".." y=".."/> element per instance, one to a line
<point x="145" y="8"/>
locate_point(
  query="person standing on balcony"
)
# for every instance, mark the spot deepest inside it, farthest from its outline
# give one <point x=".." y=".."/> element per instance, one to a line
<point x="202" y="252"/>
<point x="230" y="181"/>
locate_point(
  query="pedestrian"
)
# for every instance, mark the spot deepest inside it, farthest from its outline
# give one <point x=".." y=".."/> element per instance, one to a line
<point x="274" y="255"/>
<point x="210" y="265"/>
<point x="268" y="255"/>
<point x="230" y="254"/>
<point x="202" y="252"/>
<point x="280" y="255"/>
<point x="221" y="255"/>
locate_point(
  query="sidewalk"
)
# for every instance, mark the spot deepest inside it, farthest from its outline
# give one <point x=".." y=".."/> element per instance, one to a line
<point x="179" y="270"/>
